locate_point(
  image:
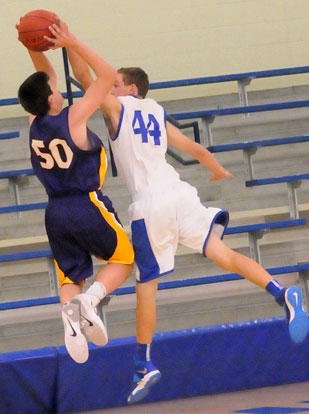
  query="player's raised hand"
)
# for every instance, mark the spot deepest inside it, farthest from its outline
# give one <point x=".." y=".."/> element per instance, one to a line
<point x="62" y="36"/>
<point x="221" y="173"/>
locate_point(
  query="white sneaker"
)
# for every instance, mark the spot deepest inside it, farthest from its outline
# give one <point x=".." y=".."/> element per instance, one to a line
<point x="75" y="341"/>
<point x="91" y="323"/>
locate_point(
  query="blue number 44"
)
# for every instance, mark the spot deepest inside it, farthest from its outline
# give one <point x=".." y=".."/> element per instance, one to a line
<point x="152" y="128"/>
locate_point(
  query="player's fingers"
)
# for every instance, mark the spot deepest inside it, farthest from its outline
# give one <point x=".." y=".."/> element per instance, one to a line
<point x="55" y="30"/>
<point x="64" y="26"/>
<point x="51" y="40"/>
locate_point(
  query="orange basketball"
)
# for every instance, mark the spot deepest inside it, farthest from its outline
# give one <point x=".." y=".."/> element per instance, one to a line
<point x="34" y="26"/>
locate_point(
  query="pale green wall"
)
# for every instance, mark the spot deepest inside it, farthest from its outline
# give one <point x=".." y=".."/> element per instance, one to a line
<point x="170" y="39"/>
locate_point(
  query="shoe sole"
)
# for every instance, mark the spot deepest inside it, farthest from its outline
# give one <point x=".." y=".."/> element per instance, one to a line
<point x="94" y="329"/>
<point x="143" y="392"/>
<point x="299" y="322"/>
<point x="75" y="341"/>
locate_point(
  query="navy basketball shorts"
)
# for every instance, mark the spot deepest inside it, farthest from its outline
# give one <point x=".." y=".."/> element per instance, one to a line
<point x="79" y="226"/>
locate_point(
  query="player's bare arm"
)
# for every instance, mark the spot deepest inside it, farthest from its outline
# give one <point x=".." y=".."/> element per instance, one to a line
<point x="96" y="91"/>
<point x="197" y="151"/>
<point x="105" y="73"/>
<point x="110" y="104"/>
<point x="80" y="69"/>
<point x="42" y="63"/>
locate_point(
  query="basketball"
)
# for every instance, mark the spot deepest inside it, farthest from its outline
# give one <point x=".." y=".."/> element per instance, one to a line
<point x="34" y="26"/>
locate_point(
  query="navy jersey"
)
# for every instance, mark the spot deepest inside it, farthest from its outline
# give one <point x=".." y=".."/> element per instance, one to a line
<point x="62" y="167"/>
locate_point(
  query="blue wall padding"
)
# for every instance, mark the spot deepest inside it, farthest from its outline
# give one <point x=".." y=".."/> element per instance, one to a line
<point x="108" y="384"/>
<point x="193" y="362"/>
<point x="28" y="381"/>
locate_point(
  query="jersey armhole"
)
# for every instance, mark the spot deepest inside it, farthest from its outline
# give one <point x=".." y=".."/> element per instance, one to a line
<point x="119" y="124"/>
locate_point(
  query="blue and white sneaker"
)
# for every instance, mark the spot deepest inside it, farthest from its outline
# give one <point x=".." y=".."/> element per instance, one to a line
<point x="144" y="377"/>
<point x="297" y="317"/>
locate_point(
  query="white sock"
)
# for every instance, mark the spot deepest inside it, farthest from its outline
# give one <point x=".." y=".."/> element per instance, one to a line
<point x="97" y="291"/>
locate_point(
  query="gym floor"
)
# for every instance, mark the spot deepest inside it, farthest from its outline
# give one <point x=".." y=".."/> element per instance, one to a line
<point x="283" y="399"/>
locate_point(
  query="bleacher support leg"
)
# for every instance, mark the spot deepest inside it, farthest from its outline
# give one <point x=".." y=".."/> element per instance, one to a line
<point x="243" y="97"/>
<point x="255" y="253"/>
<point x="248" y="154"/>
<point x="304" y="284"/>
<point x="101" y="311"/>
<point x="207" y="135"/>
<point x="53" y="278"/>
<point x="13" y="184"/>
<point x="292" y="195"/>
<point x="67" y="76"/>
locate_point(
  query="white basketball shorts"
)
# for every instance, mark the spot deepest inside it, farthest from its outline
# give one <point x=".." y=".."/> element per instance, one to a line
<point x="164" y="217"/>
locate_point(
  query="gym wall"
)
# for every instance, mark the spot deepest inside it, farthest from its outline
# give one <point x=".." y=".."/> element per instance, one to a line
<point x="172" y="39"/>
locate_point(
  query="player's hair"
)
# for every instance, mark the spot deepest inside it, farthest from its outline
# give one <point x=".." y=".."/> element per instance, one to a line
<point x="33" y="94"/>
<point x="136" y="76"/>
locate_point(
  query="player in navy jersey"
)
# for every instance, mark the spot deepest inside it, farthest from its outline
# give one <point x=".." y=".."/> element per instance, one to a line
<point x="70" y="161"/>
<point x="166" y="210"/>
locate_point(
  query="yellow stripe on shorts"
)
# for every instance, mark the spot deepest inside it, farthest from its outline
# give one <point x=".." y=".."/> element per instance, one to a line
<point x="63" y="279"/>
<point x="124" y="251"/>
<point x="103" y="167"/>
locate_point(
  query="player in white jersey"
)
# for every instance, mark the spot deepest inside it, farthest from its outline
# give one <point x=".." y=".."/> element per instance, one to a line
<point x="165" y="210"/>
<point x="155" y="187"/>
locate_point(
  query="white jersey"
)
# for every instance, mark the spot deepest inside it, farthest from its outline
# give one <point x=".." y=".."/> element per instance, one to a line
<point x="165" y="210"/>
<point x="140" y="145"/>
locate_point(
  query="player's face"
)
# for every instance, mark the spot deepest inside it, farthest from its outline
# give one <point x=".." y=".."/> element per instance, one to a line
<point x="119" y="88"/>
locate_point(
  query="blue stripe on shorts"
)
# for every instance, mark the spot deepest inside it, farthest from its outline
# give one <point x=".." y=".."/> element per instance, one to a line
<point x="144" y="256"/>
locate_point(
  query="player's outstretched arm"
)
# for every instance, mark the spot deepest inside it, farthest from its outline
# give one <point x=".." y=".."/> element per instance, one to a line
<point x="105" y="73"/>
<point x="197" y="151"/>
<point x="80" y="69"/>
<point x="110" y="104"/>
<point x="42" y="63"/>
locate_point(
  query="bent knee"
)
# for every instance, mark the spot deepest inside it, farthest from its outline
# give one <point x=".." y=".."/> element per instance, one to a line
<point x="147" y="289"/>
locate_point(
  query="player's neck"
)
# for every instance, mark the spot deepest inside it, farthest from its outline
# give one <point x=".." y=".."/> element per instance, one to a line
<point x="54" y="111"/>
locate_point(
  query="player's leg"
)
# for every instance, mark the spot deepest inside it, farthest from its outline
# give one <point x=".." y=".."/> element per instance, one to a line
<point x="146" y="310"/>
<point x="68" y="290"/>
<point x="74" y="339"/>
<point x="290" y="298"/>
<point x="145" y="373"/>
<point x="107" y="240"/>
<point x="72" y="265"/>
<point x="109" y="278"/>
<point x="154" y="238"/>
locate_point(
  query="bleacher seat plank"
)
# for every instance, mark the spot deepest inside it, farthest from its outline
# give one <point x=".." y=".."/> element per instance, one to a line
<point x="161" y="286"/>
<point x="277" y="180"/>
<point x="258" y="143"/>
<point x="9" y="135"/>
<point x="16" y="173"/>
<point x="241" y="110"/>
<point x="230" y="230"/>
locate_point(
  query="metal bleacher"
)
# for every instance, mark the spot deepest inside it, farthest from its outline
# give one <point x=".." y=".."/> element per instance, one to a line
<point x="261" y="231"/>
